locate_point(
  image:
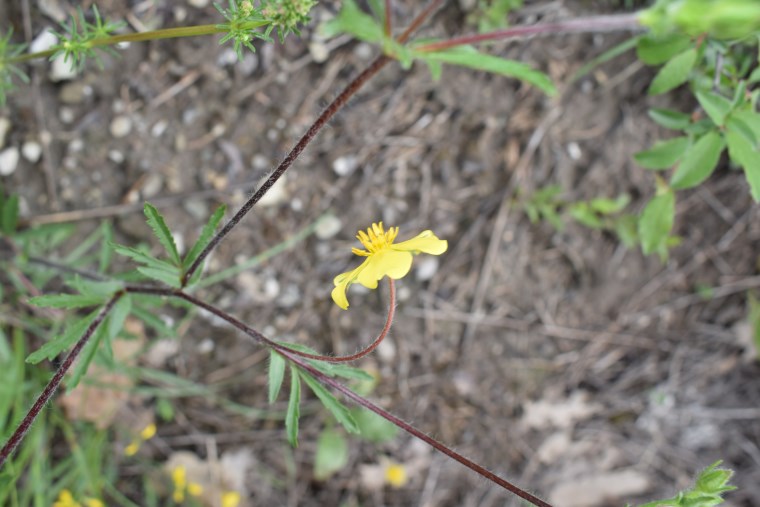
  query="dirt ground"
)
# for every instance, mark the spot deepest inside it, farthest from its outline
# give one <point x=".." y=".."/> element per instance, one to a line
<point x="580" y="370"/>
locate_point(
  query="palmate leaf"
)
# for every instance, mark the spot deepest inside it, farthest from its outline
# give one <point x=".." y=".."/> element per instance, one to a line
<point x="162" y="232"/>
<point x="468" y="56"/>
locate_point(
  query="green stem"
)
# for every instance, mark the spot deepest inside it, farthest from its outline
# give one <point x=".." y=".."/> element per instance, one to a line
<point x="165" y="33"/>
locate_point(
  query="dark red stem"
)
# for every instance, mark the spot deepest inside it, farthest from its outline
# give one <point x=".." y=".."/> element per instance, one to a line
<point x="419" y="20"/>
<point x="371" y="347"/>
<point x="595" y="24"/>
<point x="292" y="356"/>
<point x="325" y="117"/>
<point x="52" y="386"/>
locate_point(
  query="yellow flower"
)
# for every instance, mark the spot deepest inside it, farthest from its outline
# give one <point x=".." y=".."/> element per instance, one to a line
<point x="93" y="502"/>
<point x="395" y="475"/>
<point x="66" y="499"/>
<point x="231" y="499"/>
<point x="384" y="258"/>
<point x="179" y="478"/>
<point x="147" y="433"/>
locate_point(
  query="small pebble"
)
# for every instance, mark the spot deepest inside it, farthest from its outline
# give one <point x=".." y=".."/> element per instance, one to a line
<point x="426" y="268"/>
<point x="276" y="195"/>
<point x="152" y="186"/>
<point x="67" y="115"/>
<point x="32" y="151"/>
<point x="5" y="126"/>
<point x="328" y="227"/>
<point x="198" y="3"/>
<point x="159" y="128"/>
<point x="574" y="151"/>
<point x="319" y="51"/>
<point x="197" y="208"/>
<point x="249" y="64"/>
<point x="8" y="161"/>
<point x="363" y="51"/>
<point x="344" y="166"/>
<point x="53" y="9"/>
<point x="116" y="156"/>
<point x="75" y="92"/>
<point x="62" y="71"/>
<point x="260" y="162"/>
<point x="121" y="126"/>
<point x="43" y="42"/>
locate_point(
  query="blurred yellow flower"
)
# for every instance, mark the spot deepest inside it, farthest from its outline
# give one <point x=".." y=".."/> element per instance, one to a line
<point x="66" y="499"/>
<point x="93" y="502"/>
<point x="181" y="486"/>
<point x="395" y="475"/>
<point x="384" y="258"/>
<point x="231" y="499"/>
<point x="147" y="433"/>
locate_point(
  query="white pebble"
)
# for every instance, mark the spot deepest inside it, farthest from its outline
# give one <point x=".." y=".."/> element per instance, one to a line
<point x="363" y="51"/>
<point x="8" y="161"/>
<point x="32" y="151"/>
<point x="276" y="195"/>
<point x="116" y="156"/>
<point x="344" y="166"/>
<point x="260" y="162"/>
<point x="328" y="227"/>
<point x="319" y="51"/>
<point x="121" y="126"/>
<point x="62" y="71"/>
<point x="426" y="268"/>
<point x="159" y="128"/>
<point x="198" y="3"/>
<point x="574" y="151"/>
<point x="43" y="42"/>
<point x="67" y="115"/>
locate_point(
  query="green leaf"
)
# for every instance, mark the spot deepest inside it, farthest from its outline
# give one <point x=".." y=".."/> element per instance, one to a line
<point x="708" y="490"/>
<point x="66" y="301"/>
<point x="372" y="427"/>
<point x="85" y="358"/>
<point x="468" y="56"/>
<point x="699" y="162"/>
<point x="663" y="154"/>
<point x="626" y="229"/>
<point x="171" y="277"/>
<point x="581" y="212"/>
<point x="142" y="257"/>
<point x="95" y="288"/>
<point x="336" y="408"/>
<point x="329" y="369"/>
<point x="753" y="310"/>
<point x="610" y="206"/>
<point x="656" y="222"/>
<point x="9" y="218"/>
<point x="54" y="347"/>
<point x="748" y="157"/>
<point x="674" y="73"/>
<point x="673" y="120"/>
<point x="276" y="374"/>
<point x="206" y="235"/>
<point x="153" y="321"/>
<point x="157" y="223"/>
<point x="332" y="454"/>
<point x="354" y="21"/>
<point x="119" y="315"/>
<point x="654" y="50"/>
<point x="716" y="107"/>
<point x="106" y="251"/>
<point x="294" y="411"/>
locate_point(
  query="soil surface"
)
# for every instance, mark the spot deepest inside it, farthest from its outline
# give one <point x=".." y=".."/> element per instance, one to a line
<point x="580" y="370"/>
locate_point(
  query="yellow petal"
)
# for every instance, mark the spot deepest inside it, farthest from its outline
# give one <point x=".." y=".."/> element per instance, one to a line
<point x="231" y="499"/>
<point x="132" y="448"/>
<point x="395" y="475"/>
<point x="385" y="263"/>
<point x="148" y="432"/>
<point x="425" y="242"/>
<point x="342" y="281"/>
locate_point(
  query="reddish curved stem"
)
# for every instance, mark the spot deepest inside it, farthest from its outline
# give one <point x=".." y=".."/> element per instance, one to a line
<point x="365" y="351"/>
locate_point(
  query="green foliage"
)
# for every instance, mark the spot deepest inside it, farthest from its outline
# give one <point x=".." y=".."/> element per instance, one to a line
<point x="656" y="222"/>
<point x="721" y="19"/>
<point x="276" y="374"/>
<point x="294" y="410"/>
<point x="8" y="213"/>
<point x="8" y="51"/>
<point x="674" y="73"/>
<point x="708" y="490"/>
<point x="332" y="454"/>
<point x="753" y="310"/>
<point x="354" y="21"/>
<point x="78" y="38"/>
<point x="492" y="15"/>
<point x="54" y="347"/>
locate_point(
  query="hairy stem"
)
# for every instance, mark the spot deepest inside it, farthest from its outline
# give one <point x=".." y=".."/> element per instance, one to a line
<point x="51" y="387"/>
<point x="372" y="346"/>
<point x="337" y="386"/>
<point x="165" y="33"/>
<point x="581" y="25"/>
<point x="320" y="122"/>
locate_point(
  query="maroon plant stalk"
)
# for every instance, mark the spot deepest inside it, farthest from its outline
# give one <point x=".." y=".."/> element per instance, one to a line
<point x="330" y="111"/>
<point x="52" y="386"/>
<point x="372" y="346"/>
<point x="294" y="358"/>
<point x="388" y="18"/>
<point x="594" y="24"/>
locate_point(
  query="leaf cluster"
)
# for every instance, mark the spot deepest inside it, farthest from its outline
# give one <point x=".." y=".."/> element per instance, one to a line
<point x="77" y="41"/>
<point x="707" y="491"/>
<point x="9" y="51"/>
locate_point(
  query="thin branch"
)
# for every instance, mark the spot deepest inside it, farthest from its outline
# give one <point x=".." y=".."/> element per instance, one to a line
<point x="419" y="20"/>
<point x="581" y="25"/>
<point x="292" y="356"/>
<point x="320" y="122"/>
<point x="388" y="18"/>
<point x="52" y="385"/>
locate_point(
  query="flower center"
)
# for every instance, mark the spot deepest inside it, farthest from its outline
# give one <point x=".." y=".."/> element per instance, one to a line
<point x="375" y="239"/>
